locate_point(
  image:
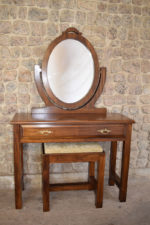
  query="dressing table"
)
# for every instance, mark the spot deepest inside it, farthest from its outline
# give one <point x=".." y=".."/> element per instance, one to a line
<point x="69" y="83"/>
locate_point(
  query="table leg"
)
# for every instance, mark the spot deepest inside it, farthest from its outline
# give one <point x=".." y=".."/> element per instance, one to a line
<point x="125" y="165"/>
<point x="46" y="182"/>
<point x="17" y="168"/>
<point x="112" y="164"/>
<point x="21" y="149"/>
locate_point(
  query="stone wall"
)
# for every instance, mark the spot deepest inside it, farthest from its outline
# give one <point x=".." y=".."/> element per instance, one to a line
<point x="120" y="32"/>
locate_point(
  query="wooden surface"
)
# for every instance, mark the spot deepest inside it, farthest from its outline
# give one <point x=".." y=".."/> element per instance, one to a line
<point x="71" y="118"/>
<point x="74" y="127"/>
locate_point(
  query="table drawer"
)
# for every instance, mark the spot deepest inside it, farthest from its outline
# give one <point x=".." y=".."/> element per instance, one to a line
<point x="41" y="132"/>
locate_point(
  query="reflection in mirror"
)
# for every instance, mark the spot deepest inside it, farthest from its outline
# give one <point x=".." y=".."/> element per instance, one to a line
<point x="70" y="71"/>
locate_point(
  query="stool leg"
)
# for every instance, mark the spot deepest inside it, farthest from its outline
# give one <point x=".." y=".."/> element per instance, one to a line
<point x="100" y="181"/>
<point x="91" y="174"/>
<point x="45" y="181"/>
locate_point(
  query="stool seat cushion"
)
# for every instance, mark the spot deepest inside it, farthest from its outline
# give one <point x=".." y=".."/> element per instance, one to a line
<point x="81" y="147"/>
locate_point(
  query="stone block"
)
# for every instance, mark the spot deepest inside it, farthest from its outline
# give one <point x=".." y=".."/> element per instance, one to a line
<point x="115" y="1"/>
<point x="67" y="15"/>
<point x="18" y="40"/>
<point x="81" y="17"/>
<point x="4" y="52"/>
<point x="145" y="99"/>
<point x="146" y="109"/>
<point x="1" y="98"/>
<point x="145" y="53"/>
<point x="121" y="88"/>
<point x="4" y="12"/>
<point x="133" y="34"/>
<point x="134" y="79"/>
<point x="68" y="4"/>
<point x="146" y="119"/>
<point x="127" y="21"/>
<point x="23" y="88"/>
<point x="22" y="14"/>
<point x="29" y="64"/>
<point x="12" y="64"/>
<point x="56" y="4"/>
<point x="101" y="6"/>
<point x="35" y="40"/>
<point x="2" y="87"/>
<point x="24" y="2"/>
<point x="25" y="52"/>
<point x="21" y="27"/>
<point x="132" y="66"/>
<point x="134" y="110"/>
<point x="38" y="28"/>
<point x="145" y="66"/>
<point x="5" y="27"/>
<point x="102" y="19"/>
<point x="140" y="2"/>
<point x="130" y="53"/>
<point x="146" y="79"/>
<point x="137" y="22"/>
<point x="15" y="52"/>
<point x="24" y="75"/>
<point x="11" y="86"/>
<point x="146" y="11"/>
<point x="92" y="18"/>
<point x="119" y="77"/>
<point x="137" y="10"/>
<point x="122" y="33"/>
<point x="113" y="8"/>
<point x="125" y="9"/>
<point x="146" y="127"/>
<point x="112" y="33"/>
<point x="38" y="51"/>
<point x="24" y="99"/>
<point x="9" y="75"/>
<point x="54" y="16"/>
<point x="41" y="3"/>
<point x="10" y="109"/>
<point x="145" y="34"/>
<point x="146" y="89"/>
<point x="116" y="65"/>
<point x="146" y="22"/>
<point x="52" y="29"/>
<point x="120" y="100"/>
<point x="11" y="98"/>
<point x="109" y="100"/>
<point x="37" y="14"/>
<point x="13" y="12"/>
<point x="4" y="40"/>
<point x="88" y="5"/>
<point x="135" y="89"/>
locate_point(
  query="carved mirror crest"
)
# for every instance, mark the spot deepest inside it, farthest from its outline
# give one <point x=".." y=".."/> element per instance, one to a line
<point x="70" y="77"/>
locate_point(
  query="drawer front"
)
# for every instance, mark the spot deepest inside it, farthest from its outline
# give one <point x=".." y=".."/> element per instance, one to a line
<point x="71" y="131"/>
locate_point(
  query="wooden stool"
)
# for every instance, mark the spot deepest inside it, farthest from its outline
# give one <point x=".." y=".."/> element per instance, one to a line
<point x="74" y="152"/>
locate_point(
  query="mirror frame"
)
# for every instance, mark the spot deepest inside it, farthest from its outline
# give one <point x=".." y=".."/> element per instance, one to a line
<point x="70" y="33"/>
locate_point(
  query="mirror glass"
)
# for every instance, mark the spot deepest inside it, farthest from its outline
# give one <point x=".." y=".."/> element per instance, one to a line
<point x="70" y="71"/>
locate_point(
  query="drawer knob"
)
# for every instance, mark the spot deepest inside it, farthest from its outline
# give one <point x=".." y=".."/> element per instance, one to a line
<point x="104" y="131"/>
<point x="45" y="132"/>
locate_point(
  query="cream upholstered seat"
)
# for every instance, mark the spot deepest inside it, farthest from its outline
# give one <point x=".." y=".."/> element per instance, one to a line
<point x="80" y="147"/>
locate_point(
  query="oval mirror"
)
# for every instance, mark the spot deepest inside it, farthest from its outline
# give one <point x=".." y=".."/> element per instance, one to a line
<point x="70" y="79"/>
<point x="70" y="71"/>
